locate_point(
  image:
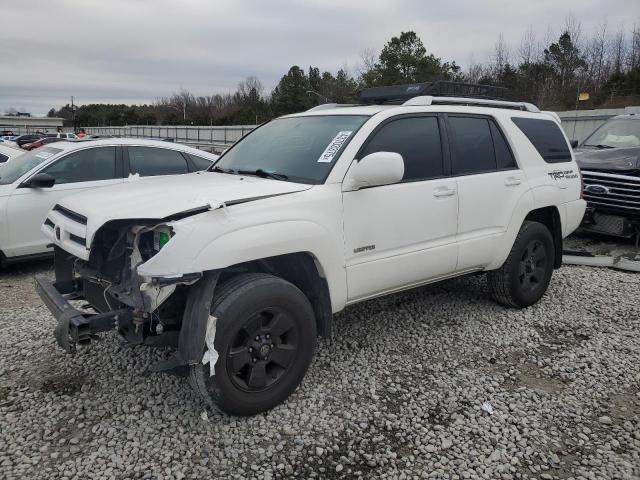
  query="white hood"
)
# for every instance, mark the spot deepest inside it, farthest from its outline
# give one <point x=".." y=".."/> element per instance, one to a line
<point x="162" y="197"/>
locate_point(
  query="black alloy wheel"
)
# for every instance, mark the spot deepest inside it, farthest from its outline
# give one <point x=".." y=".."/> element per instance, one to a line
<point x="533" y="266"/>
<point x="265" y="338"/>
<point x="263" y="350"/>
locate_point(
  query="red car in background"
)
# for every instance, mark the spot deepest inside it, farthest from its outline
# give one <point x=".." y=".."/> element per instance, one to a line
<point x="42" y="141"/>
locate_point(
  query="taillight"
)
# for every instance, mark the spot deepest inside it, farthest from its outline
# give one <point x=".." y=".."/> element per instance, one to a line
<point x="581" y="184"/>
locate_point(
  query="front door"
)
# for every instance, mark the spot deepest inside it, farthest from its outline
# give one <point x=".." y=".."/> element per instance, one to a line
<point x="28" y="207"/>
<point x="402" y="234"/>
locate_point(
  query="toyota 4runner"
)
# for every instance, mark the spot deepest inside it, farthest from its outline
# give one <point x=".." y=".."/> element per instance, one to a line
<point x="240" y="267"/>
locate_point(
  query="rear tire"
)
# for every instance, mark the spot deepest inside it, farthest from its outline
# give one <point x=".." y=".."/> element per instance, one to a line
<point x="265" y="338"/>
<point x="525" y="275"/>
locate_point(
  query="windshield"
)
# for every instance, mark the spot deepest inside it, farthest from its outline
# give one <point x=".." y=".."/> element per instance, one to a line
<point x="17" y="167"/>
<point x="298" y="149"/>
<point x="621" y="132"/>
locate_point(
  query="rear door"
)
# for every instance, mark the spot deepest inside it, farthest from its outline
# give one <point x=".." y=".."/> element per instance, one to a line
<point x="402" y="234"/>
<point x="76" y="172"/>
<point x="489" y="183"/>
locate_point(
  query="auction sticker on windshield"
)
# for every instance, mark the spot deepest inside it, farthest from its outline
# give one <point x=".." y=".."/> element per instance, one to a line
<point x="334" y="146"/>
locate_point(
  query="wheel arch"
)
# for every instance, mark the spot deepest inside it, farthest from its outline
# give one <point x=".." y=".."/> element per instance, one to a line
<point x="301" y="269"/>
<point x="550" y="217"/>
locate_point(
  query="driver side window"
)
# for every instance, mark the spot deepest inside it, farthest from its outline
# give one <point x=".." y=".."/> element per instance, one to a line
<point x="89" y="165"/>
<point x="417" y="139"/>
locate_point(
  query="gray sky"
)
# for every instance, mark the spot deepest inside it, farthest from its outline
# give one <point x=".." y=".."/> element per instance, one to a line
<point x="133" y="51"/>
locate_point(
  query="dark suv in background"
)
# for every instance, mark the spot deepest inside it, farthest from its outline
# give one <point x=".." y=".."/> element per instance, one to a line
<point x="610" y="163"/>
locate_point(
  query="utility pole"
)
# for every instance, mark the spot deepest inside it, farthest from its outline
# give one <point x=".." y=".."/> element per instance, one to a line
<point x="73" y="115"/>
<point x="320" y="96"/>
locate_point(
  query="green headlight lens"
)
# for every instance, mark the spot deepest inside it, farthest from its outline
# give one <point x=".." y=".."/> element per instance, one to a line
<point x="160" y="239"/>
<point x="163" y="239"/>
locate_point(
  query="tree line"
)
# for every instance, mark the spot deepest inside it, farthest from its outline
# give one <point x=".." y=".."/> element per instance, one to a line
<point x="550" y="72"/>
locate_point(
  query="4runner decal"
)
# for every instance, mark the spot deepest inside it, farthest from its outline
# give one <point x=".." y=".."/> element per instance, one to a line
<point x="563" y="174"/>
<point x="366" y="248"/>
<point x="334" y="146"/>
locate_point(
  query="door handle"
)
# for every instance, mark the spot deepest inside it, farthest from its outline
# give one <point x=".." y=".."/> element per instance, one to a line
<point x="512" y="181"/>
<point x="444" y="192"/>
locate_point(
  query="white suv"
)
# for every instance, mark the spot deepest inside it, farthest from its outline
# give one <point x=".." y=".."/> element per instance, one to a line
<point x="240" y="267"/>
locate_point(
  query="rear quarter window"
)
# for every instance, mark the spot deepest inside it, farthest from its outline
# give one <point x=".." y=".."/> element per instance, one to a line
<point x="546" y="137"/>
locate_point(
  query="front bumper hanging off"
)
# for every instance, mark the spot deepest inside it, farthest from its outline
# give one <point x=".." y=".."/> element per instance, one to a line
<point x="74" y="326"/>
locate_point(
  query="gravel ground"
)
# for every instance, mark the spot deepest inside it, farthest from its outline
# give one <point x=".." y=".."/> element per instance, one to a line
<point x="397" y="394"/>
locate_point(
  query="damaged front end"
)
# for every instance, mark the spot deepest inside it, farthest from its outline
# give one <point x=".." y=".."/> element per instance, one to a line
<point x="106" y="293"/>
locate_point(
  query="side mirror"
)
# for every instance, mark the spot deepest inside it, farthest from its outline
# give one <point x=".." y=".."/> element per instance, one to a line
<point x="574" y="143"/>
<point x="379" y="168"/>
<point x="40" y="180"/>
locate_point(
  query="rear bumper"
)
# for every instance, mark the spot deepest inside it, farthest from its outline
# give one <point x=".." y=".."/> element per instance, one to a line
<point x="73" y="326"/>
<point x="573" y="214"/>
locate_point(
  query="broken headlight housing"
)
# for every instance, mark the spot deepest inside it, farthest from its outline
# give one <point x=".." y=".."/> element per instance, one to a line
<point x="151" y="241"/>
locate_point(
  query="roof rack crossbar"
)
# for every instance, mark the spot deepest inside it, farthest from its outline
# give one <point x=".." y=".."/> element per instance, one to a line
<point x="429" y="100"/>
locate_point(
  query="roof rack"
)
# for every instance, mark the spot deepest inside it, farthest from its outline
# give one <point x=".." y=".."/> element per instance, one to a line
<point x="443" y="93"/>
<point x="478" y="102"/>
<point x="441" y="88"/>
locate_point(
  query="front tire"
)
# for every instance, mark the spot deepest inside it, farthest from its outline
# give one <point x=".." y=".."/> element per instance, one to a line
<point x="525" y="275"/>
<point x="265" y="338"/>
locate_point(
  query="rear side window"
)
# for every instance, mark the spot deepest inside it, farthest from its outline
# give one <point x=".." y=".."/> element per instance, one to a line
<point x="199" y="162"/>
<point x="150" y="161"/>
<point x="417" y="139"/>
<point x="546" y="137"/>
<point x="478" y="146"/>
<point x="473" y="145"/>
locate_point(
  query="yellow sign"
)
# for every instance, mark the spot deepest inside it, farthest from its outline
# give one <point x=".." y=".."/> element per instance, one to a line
<point x="583" y="96"/>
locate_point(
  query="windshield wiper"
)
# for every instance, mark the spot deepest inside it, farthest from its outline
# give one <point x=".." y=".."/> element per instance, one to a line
<point x="265" y="174"/>
<point x="598" y="145"/>
<point x="224" y="170"/>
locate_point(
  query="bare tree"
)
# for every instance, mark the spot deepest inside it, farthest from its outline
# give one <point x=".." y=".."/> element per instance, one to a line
<point x="618" y="51"/>
<point x="368" y="59"/>
<point x="574" y="27"/>
<point x="596" y="53"/>
<point x="529" y="50"/>
<point x="251" y="87"/>
<point x="633" y="54"/>
<point x="500" y="56"/>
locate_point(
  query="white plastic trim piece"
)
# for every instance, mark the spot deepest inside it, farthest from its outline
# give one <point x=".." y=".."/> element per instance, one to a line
<point x="422" y="101"/>
<point x="619" y="262"/>
<point x="211" y="355"/>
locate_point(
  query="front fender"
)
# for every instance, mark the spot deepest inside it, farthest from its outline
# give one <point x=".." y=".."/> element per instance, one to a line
<point x="262" y="241"/>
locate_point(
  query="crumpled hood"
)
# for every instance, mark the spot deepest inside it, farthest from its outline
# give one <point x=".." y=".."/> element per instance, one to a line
<point x="622" y="159"/>
<point x="162" y="197"/>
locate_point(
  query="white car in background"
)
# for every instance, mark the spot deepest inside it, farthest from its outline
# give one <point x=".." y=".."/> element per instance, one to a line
<point x="8" y="152"/>
<point x="32" y="183"/>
